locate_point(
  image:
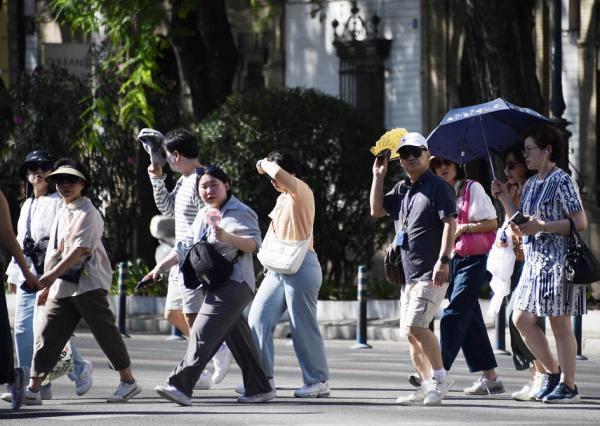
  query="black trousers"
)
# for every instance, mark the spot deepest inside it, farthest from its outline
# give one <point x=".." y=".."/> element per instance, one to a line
<point x="7" y="361"/>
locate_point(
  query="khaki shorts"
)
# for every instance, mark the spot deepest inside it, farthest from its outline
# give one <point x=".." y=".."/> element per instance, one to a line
<point x="181" y="298"/>
<point x="419" y="302"/>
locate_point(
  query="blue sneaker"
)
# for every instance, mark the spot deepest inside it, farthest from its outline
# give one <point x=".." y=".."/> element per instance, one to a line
<point x="562" y="394"/>
<point x="551" y="381"/>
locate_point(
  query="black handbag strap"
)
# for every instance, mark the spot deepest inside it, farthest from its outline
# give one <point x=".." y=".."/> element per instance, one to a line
<point x="573" y="231"/>
<point x="204" y="237"/>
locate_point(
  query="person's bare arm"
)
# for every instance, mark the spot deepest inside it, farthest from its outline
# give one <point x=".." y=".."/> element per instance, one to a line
<point x="285" y="179"/>
<point x="7" y="236"/>
<point x="441" y="271"/>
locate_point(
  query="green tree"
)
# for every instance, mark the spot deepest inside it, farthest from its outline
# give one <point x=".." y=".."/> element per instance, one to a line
<point x="331" y="140"/>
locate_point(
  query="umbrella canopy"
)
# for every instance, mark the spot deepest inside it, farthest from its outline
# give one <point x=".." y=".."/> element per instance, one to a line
<point x="469" y="133"/>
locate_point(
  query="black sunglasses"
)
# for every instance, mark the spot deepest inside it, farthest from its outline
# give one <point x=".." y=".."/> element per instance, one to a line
<point x="406" y="151"/>
<point x="210" y="169"/>
<point x="34" y="167"/>
<point x="60" y="179"/>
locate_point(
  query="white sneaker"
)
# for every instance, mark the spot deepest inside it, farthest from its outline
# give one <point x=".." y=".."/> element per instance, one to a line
<point x="239" y="389"/>
<point x="45" y="393"/>
<point x="125" y="392"/>
<point x="204" y="382"/>
<point x="83" y="383"/>
<point x="32" y="398"/>
<point x="315" y="390"/>
<point x="437" y="390"/>
<point x="222" y="362"/>
<point x="259" y="397"/>
<point x="415" y="398"/>
<point x="173" y="394"/>
<point x="536" y="387"/>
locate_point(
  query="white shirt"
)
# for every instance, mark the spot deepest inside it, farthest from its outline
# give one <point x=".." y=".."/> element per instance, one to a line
<point x="43" y="210"/>
<point x="480" y="207"/>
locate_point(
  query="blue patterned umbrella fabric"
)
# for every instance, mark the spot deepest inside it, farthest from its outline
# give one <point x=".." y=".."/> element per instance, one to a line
<point x="469" y="133"/>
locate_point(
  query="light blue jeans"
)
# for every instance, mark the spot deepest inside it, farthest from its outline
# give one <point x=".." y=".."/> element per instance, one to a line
<point x="298" y="294"/>
<point x="24" y="341"/>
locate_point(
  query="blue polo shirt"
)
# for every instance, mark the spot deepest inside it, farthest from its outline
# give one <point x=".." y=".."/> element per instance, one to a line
<point x="419" y="209"/>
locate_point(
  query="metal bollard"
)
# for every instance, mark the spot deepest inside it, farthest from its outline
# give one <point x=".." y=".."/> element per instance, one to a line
<point x="501" y="331"/>
<point x="176" y="334"/>
<point x="577" y="323"/>
<point x="361" y="326"/>
<point x="122" y="313"/>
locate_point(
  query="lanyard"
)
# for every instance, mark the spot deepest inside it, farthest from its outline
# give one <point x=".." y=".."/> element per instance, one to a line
<point x="29" y="214"/>
<point x="407" y="206"/>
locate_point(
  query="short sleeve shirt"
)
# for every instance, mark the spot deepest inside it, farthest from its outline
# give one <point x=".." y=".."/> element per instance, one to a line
<point x="79" y="226"/>
<point x="418" y="209"/>
<point x="294" y="213"/>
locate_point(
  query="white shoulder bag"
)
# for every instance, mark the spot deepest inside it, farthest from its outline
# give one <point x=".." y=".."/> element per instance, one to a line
<point x="284" y="257"/>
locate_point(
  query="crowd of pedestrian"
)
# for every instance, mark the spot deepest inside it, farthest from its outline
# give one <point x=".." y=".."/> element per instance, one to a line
<point x="444" y="226"/>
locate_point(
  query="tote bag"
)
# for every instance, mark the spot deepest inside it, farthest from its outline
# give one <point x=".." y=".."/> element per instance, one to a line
<point x="284" y="257"/>
<point x="474" y="243"/>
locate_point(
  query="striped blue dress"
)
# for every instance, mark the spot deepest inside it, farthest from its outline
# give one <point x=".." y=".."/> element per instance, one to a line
<point x="542" y="290"/>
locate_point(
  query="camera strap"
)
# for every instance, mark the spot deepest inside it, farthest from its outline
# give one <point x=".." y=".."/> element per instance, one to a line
<point x="28" y="221"/>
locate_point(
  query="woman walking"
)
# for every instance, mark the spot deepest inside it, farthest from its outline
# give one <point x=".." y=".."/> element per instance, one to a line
<point x="552" y="205"/>
<point x="292" y="220"/>
<point x="77" y="276"/>
<point x="515" y="169"/>
<point x="233" y="232"/>
<point x="462" y="325"/>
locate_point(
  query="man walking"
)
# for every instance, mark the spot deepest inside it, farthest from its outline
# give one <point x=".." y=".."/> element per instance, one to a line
<point x="424" y="214"/>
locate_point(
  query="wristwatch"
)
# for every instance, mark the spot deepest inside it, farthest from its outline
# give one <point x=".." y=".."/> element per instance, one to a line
<point x="445" y="259"/>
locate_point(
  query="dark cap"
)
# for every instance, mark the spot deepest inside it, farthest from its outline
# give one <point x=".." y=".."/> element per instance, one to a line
<point x="39" y="156"/>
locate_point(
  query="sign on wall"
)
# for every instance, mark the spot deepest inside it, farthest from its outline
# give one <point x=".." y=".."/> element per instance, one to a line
<point x="74" y="57"/>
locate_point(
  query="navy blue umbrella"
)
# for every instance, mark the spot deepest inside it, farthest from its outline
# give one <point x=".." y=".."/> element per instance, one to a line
<point x="469" y="133"/>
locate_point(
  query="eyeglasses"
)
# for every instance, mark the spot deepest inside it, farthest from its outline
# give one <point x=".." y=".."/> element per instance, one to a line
<point x="509" y="165"/>
<point x="438" y="162"/>
<point x="210" y="169"/>
<point x="527" y="150"/>
<point x="32" y="168"/>
<point x="62" y="179"/>
<point x="406" y="151"/>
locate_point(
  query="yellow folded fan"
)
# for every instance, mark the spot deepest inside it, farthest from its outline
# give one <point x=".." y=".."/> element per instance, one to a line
<point x="388" y="143"/>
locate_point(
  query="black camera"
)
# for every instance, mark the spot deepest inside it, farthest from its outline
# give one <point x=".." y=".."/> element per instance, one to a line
<point x="28" y="246"/>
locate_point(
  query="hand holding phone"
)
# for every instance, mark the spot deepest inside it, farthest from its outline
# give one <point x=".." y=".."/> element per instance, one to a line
<point x="143" y="284"/>
<point x="519" y="218"/>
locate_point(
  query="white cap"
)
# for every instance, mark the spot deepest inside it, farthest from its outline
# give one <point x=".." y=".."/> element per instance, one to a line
<point x="413" y="139"/>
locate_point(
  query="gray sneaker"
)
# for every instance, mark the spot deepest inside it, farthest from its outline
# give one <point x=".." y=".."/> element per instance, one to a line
<point x="484" y="386"/>
<point x="258" y="398"/>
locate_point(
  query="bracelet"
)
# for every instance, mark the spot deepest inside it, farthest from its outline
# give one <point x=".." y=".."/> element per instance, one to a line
<point x="468" y="228"/>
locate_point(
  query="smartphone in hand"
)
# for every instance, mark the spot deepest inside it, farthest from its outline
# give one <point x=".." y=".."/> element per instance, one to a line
<point x="518" y="218"/>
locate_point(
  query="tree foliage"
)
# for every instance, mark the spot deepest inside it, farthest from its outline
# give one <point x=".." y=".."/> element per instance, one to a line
<point x="331" y="140"/>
